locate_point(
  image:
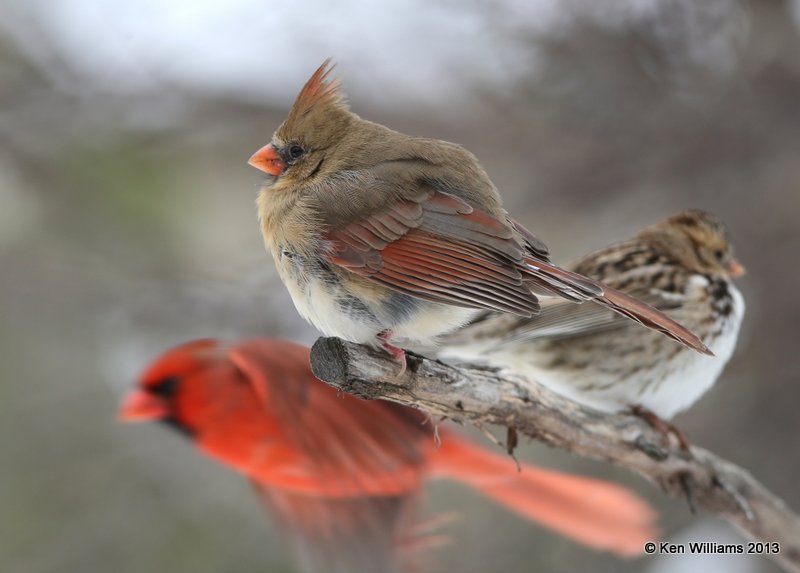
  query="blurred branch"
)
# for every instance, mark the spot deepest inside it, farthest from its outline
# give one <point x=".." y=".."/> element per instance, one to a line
<point x="480" y="395"/>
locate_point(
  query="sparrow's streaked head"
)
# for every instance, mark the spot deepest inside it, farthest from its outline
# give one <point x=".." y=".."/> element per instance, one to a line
<point x="702" y="243"/>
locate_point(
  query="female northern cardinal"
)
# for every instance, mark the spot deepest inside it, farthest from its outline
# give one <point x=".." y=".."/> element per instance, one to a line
<point x="341" y="471"/>
<point x="683" y="266"/>
<point x="381" y="236"/>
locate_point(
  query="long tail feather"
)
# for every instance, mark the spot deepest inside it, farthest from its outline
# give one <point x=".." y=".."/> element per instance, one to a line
<point x="595" y="513"/>
<point x="619" y="302"/>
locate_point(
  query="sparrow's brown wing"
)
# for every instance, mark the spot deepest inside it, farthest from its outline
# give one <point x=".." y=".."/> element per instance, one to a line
<point x="556" y="320"/>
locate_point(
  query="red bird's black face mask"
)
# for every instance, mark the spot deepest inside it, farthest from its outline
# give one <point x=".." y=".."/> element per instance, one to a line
<point x="155" y="402"/>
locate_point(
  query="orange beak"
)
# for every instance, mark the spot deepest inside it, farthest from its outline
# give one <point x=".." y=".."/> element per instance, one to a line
<point x="141" y="406"/>
<point x="735" y="268"/>
<point x="267" y="160"/>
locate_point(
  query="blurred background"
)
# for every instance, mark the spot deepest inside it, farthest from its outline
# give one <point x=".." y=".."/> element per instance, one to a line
<point x="127" y="224"/>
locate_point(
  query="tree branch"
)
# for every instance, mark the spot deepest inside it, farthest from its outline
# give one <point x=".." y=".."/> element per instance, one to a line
<point x="481" y="395"/>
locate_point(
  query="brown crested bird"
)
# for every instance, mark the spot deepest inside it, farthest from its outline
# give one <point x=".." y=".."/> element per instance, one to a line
<point x="383" y="237"/>
<point x="682" y="266"/>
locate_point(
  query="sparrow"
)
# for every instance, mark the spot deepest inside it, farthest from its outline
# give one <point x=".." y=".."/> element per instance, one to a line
<point x="382" y="237"/>
<point x="683" y="266"/>
<point x="342" y="473"/>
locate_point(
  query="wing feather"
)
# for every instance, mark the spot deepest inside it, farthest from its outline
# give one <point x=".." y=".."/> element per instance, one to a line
<point x="438" y="248"/>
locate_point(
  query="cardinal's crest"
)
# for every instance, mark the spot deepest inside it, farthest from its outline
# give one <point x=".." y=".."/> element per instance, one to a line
<point x="320" y="91"/>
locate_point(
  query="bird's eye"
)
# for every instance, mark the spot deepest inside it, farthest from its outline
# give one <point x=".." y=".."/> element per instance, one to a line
<point x="719" y="254"/>
<point x="165" y="387"/>
<point x="296" y="151"/>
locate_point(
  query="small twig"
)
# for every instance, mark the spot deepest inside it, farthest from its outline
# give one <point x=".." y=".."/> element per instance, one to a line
<point x="482" y="396"/>
<point x="512" y="440"/>
<point x="686" y="484"/>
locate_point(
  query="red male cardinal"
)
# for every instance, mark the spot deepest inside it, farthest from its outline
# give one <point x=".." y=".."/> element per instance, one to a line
<point x="380" y="236"/>
<point x="343" y="472"/>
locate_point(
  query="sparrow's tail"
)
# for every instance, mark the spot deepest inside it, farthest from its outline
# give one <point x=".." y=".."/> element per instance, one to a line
<point x="595" y="513"/>
<point x="579" y="288"/>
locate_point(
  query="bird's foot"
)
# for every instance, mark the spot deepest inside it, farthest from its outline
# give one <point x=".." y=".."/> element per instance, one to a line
<point x="395" y="352"/>
<point x="661" y="425"/>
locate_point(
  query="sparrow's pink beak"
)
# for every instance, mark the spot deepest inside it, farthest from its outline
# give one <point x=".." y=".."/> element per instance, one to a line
<point x="735" y="268"/>
<point x="141" y="406"/>
<point x="267" y="159"/>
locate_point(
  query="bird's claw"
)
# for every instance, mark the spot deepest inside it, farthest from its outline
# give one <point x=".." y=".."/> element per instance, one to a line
<point x="397" y="353"/>
<point x="661" y="425"/>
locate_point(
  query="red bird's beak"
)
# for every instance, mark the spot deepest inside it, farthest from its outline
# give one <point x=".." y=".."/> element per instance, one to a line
<point x="141" y="406"/>
<point x="735" y="268"/>
<point x="267" y="160"/>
